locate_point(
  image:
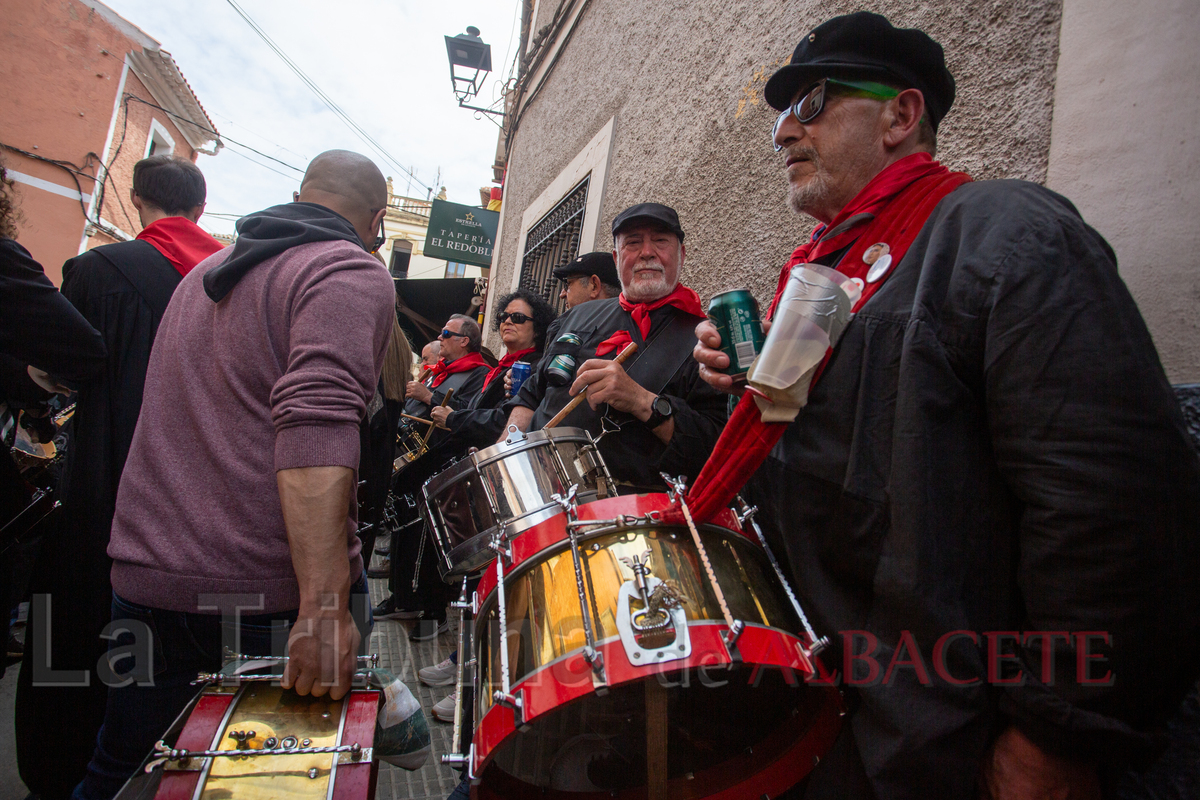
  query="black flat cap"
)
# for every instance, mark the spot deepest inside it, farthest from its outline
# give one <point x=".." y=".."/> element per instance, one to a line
<point x="599" y="264"/>
<point x="865" y="45"/>
<point x="649" y="212"/>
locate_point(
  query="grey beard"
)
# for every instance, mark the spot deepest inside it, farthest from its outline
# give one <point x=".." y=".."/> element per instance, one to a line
<point x="815" y="193"/>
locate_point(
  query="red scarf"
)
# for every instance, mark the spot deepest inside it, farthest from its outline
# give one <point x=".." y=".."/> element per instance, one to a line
<point x="682" y="298"/>
<point x="900" y="198"/>
<point x="504" y="364"/>
<point x="181" y="241"/>
<point x="442" y="370"/>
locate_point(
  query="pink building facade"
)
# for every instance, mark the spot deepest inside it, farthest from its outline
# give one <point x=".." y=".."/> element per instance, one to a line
<point x="85" y="94"/>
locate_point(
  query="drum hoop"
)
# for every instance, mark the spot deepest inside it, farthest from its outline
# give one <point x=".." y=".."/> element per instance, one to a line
<point x="218" y="735"/>
<point x="481" y="541"/>
<point x="478" y="459"/>
<point x="531" y="440"/>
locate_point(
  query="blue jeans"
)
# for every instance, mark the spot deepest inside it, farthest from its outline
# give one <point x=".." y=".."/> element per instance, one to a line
<point x="183" y="645"/>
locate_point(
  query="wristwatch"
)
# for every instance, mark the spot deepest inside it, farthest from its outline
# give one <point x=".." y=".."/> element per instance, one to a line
<point x="660" y="411"/>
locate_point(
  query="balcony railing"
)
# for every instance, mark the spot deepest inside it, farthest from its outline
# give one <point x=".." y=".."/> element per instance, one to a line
<point x="410" y="205"/>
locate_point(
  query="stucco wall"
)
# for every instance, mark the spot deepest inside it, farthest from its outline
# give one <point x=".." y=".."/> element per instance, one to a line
<point x="684" y="83"/>
<point x="1125" y="150"/>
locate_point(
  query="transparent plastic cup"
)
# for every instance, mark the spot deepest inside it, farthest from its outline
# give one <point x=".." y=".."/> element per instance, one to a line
<point x="810" y="316"/>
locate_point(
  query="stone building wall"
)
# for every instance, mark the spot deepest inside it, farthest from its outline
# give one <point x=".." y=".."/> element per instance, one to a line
<point x="682" y="82"/>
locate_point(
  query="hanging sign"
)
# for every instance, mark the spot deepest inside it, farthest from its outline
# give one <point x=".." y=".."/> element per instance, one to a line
<point x="461" y="233"/>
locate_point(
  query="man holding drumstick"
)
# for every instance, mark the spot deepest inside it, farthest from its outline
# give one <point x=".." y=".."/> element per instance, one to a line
<point x="661" y="416"/>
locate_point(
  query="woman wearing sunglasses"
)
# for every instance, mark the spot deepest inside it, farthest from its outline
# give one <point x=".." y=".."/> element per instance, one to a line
<point x="522" y="325"/>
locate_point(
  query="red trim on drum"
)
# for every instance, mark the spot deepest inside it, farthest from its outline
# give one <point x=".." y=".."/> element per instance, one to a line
<point x="529" y="543"/>
<point x="197" y="734"/>
<point x="569" y="678"/>
<point x="357" y="781"/>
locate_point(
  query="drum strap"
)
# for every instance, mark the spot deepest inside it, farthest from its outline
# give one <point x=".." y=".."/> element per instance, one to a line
<point x="653" y="366"/>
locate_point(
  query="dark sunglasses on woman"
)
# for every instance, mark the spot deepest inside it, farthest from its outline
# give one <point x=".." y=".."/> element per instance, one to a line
<point x="516" y="316"/>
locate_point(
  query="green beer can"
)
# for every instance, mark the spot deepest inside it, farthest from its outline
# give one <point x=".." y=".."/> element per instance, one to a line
<point x="735" y="313"/>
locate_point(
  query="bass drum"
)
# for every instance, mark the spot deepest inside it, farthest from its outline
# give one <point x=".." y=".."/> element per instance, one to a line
<point x="674" y="712"/>
<point x="508" y="485"/>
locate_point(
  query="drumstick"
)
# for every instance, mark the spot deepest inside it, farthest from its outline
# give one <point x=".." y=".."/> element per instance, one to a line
<point x="428" y="433"/>
<point x="629" y="350"/>
<point x="416" y="419"/>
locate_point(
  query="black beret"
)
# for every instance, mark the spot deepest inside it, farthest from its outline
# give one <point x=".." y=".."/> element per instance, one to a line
<point x="649" y="212"/>
<point x="865" y="45"/>
<point x="600" y="264"/>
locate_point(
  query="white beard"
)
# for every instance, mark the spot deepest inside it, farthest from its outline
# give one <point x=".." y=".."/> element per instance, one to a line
<point x="648" y="287"/>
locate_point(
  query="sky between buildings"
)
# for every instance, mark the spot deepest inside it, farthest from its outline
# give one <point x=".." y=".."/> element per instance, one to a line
<point x="382" y="61"/>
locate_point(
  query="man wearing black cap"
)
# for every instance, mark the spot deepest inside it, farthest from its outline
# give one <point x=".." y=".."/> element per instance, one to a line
<point x="668" y="417"/>
<point x="592" y="276"/>
<point x="987" y="499"/>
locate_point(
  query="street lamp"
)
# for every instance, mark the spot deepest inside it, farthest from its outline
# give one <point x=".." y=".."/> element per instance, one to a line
<point x="470" y="61"/>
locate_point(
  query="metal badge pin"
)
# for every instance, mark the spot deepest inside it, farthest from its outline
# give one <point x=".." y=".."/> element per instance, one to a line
<point x="879" y="268"/>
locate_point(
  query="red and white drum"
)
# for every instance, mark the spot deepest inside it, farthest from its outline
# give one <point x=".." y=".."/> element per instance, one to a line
<point x="620" y="681"/>
<point x="286" y="729"/>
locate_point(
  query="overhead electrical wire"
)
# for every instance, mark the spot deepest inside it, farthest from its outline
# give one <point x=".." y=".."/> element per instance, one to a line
<point x="324" y="98"/>
<point x="224" y="139"/>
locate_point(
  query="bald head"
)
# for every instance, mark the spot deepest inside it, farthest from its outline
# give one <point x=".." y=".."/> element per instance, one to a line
<point x="349" y="184"/>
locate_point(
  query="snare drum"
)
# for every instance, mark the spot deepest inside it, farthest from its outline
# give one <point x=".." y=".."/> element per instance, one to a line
<point x="508" y="487"/>
<point x="262" y="716"/>
<point x="664" y="687"/>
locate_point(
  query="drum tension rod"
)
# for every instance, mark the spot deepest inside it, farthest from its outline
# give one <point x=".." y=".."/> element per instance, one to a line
<point x="747" y="515"/>
<point x="234" y="680"/>
<point x="371" y="661"/>
<point x="164" y="754"/>
<point x="593" y="656"/>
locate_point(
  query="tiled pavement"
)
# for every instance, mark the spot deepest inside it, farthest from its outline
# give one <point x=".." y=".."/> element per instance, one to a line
<point x="404" y="658"/>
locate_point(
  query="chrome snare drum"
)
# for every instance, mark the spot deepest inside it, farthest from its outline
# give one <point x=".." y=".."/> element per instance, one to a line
<point x="507" y="488"/>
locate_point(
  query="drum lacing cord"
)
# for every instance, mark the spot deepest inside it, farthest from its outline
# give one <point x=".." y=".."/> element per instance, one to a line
<point x="735" y="626"/>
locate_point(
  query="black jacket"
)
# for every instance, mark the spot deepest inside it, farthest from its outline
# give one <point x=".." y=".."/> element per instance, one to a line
<point x="993" y="447"/>
<point x="634" y="455"/>
<point x="482" y="421"/>
<point x="74" y="566"/>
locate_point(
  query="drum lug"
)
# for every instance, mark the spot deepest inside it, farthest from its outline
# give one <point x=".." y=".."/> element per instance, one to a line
<point x="816" y="647"/>
<point x="596" y="659"/>
<point x="355" y="755"/>
<point x="515" y="703"/>
<point x="732" y="634"/>
<point x="462" y="760"/>
<point x="515" y="435"/>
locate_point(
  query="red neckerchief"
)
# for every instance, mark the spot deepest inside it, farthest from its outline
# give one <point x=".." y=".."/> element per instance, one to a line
<point x="923" y="182"/>
<point x="900" y="200"/>
<point x="504" y="364"/>
<point x="442" y="370"/>
<point x="181" y="241"/>
<point x="682" y="298"/>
